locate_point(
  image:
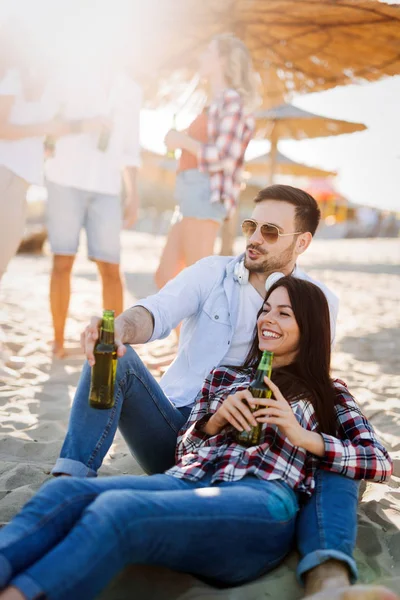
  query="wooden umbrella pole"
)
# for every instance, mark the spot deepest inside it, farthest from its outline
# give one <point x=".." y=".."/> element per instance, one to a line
<point x="273" y="153"/>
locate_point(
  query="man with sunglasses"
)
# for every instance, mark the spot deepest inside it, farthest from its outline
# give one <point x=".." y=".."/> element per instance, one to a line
<point x="217" y="299"/>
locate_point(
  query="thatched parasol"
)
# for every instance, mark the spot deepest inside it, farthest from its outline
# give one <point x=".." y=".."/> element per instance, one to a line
<point x="297" y="45"/>
<point x="290" y="122"/>
<point x="260" y="166"/>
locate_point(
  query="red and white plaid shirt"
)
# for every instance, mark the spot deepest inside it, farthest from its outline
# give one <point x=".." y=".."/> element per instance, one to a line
<point x="355" y="453"/>
<point x="229" y="130"/>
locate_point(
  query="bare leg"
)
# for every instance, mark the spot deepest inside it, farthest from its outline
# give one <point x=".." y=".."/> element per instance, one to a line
<point x="172" y="259"/>
<point x="199" y="237"/>
<point x="112" y="286"/>
<point x="330" y="581"/>
<point x="11" y="593"/>
<point x="228" y="234"/>
<point x="60" y="292"/>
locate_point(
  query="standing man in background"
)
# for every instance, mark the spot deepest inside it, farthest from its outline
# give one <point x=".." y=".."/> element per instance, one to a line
<point x="84" y="183"/>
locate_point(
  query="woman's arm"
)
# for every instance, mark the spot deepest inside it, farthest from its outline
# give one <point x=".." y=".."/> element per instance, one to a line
<point x="227" y="149"/>
<point x="214" y="409"/>
<point x="55" y="128"/>
<point x="359" y="454"/>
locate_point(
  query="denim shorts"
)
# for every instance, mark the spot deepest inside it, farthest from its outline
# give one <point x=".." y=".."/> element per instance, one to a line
<point x="192" y="194"/>
<point x="69" y="210"/>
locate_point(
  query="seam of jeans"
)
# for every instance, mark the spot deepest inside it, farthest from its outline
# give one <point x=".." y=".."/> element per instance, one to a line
<point x="121" y="383"/>
<point x="110" y="421"/>
<point x="319" y="511"/>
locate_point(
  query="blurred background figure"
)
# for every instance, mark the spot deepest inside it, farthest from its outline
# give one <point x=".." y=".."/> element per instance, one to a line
<point x="25" y="118"/>
<point x="213" y="147"/>
<point x="86" y="175"/>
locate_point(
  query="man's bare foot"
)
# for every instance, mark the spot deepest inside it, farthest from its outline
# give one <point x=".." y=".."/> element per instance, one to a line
<point x="11" y="593"/>
<point x="58" y="350"/>
<point x="353" y="592"/>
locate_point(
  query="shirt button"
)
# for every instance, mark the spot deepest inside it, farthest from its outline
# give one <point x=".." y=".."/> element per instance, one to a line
<point x="229" y="342"/>
<point x="216" y="317"/>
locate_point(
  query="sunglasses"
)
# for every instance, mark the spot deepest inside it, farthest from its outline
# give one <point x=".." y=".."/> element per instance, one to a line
<point x="269" y="232"/>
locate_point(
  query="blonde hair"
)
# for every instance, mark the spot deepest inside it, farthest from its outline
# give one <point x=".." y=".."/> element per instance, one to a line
<point x="239" y="72"/>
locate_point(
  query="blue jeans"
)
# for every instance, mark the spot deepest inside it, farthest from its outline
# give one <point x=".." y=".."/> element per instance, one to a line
<point x="148" y="421"/>
<point x="75" y="535"/>
<point x="327" y="522"/>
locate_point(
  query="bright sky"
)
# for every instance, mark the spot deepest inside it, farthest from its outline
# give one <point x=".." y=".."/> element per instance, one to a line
<point x="368" y="162"/>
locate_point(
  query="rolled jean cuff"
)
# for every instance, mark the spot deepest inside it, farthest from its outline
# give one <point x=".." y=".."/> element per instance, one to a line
<point x="5" y="571"/>
<point x="318" y="557"/>
<point x="72" y="467"/>
<point x="28" y="587"/>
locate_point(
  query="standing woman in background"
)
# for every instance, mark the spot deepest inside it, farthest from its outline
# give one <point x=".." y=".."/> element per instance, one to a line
<point x="209" y="169"/>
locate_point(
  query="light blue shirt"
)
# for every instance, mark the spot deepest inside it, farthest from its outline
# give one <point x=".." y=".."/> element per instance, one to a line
<point x="206" y="297"/>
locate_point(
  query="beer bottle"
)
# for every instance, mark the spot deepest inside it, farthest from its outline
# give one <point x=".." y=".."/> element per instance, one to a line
<point x="105" y="368"/>
<point x="50" y="141"/>
<point x="258" y="389"/>
<point x="104" y="139"/>
<point x="171" y="153"/>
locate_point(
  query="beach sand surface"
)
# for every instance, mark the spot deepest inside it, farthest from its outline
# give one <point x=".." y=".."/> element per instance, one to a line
<point x="34" y="408"/>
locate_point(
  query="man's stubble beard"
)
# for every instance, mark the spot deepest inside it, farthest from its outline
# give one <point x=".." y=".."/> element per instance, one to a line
<point x="272" y="264"/>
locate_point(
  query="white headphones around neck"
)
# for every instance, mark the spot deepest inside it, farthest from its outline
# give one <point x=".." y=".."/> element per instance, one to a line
<point x="240" y="273"/>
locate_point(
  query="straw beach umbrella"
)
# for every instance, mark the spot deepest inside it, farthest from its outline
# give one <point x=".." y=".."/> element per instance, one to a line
<point x="292" y="123"/>
<point x="261" y="165"/>
<point x="297" y="45"/>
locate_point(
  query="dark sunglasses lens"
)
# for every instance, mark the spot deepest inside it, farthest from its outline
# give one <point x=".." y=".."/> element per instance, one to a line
<point x="269" y="233"/>
<point x="248" y="228"/>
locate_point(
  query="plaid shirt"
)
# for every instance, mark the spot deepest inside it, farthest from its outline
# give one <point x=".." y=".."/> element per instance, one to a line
<point x="355" y="453"/>
<point x="229" y="130"/>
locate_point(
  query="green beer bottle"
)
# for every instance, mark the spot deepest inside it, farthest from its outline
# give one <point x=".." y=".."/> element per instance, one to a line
<point x="105" y="368"/>
<point x="171" y="153"/>
<point x="258" y="389"/>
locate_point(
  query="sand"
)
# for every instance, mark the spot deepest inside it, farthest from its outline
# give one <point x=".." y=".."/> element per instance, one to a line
<point x="34" y="408"/>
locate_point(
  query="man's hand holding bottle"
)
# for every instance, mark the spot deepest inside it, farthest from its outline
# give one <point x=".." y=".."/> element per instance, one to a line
<point x="90" y="335"/>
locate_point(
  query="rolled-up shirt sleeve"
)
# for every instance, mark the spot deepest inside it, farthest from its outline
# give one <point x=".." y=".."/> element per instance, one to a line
<point x="227" y="149"/>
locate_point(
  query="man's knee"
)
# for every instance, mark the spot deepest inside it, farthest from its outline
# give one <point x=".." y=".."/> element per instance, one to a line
<point x="62" y="264"/>
<point x="109" y="272"/>
<point x="130" y="362"/>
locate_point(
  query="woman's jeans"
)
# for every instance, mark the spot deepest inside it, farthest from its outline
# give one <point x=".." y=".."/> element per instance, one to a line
<point x="327" y="523"/>
<point x="75" y="535"/>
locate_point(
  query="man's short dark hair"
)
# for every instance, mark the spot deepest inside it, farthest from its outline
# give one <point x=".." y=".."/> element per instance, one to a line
<point x="307" y="213"/>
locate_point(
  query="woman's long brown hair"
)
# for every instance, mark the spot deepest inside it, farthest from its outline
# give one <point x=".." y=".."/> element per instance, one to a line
<point x="309" y="375"/>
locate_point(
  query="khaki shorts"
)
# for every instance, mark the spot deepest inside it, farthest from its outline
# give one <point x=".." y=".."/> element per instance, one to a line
<point x="12" y="214"/>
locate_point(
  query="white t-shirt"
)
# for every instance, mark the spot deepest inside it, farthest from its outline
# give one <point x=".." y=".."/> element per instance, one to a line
<point x="23" y="157"/>
<point x="77" y="161"/>
<point x="250" y="303"/>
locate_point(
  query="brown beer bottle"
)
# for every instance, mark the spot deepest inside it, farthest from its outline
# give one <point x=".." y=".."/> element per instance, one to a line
<point x="105" y="368"/>
<point x="258" y="389"/>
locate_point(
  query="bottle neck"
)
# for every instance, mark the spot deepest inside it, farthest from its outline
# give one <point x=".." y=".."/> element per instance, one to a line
<point x="106" y="337"/>
<point x="107" y="328"/>
<point x="265" y="367"/>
